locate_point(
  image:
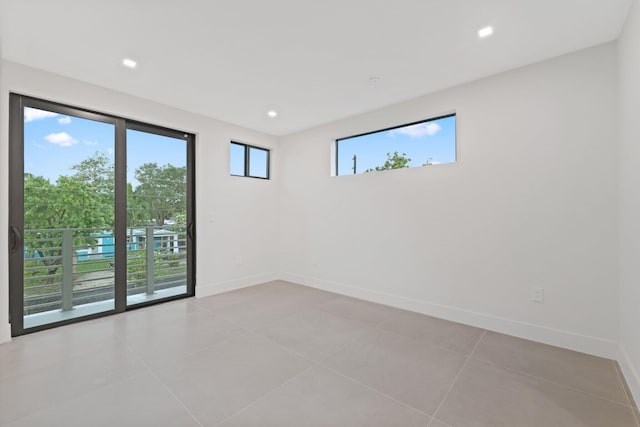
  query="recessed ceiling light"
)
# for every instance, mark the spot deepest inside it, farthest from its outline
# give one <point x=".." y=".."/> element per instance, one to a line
<point x="485" y="32"/>
<point x="272" y="113"/>
<point x="130" y="63"/>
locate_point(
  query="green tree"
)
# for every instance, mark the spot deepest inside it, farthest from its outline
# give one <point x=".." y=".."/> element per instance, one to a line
<point x="85" y="201"/>
<point x="98" y="172"/>
<point x="137" y="214"/>
<point x="394" y="161"/>
<point x="48" y="208"/>
<point x="70" y="203"/>
<point x="180" y="224"/>
<point x="162" y="190"/>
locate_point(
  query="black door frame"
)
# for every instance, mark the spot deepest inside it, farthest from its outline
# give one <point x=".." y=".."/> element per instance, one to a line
<point x="17" y="103"/>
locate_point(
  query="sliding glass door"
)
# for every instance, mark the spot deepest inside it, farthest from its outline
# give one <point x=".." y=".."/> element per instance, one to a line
<point x="68" y="214"/>
<point x="157" y="225"/>
<point x="101" y="214"/>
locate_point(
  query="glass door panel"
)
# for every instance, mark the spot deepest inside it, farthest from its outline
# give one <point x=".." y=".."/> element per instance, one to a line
<point x="101" y="214"/>
<point x="157" y="227"/>
<point x="68" y="216"/>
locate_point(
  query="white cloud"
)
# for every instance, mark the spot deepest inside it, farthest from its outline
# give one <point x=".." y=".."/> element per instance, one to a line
<point x="110" y="151"/>
<point x="62" y="139"/>
<point x="31" y="114"/>
<point x="87" y="142"/>
<point x="418" y="131"/>
<point x="64" y="120"/>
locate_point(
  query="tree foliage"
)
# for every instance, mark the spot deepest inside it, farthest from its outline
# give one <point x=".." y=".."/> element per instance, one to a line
<point x="137" y="214"/>
<point x="69" y="203"/>
<point x="162" y="190"/>
<point x="394" y="161"/>
<point x="180" y="224"/>
<point x="98" y="173"/>
<point x="84" y="200"/>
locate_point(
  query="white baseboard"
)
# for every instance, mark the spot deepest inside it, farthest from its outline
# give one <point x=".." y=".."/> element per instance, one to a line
<point x="630" y="374"/>
<point x="556" y="337"/>
<point x="231" y="285"/>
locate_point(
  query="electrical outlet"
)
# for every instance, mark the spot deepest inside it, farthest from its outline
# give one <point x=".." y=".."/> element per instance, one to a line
<point x="537" y="294"/>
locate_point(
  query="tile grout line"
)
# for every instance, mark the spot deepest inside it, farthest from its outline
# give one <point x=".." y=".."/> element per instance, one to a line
<point x="289" y="350"/>
<point x="18" y="341"/>
<point x="320" y="363"/>
<point x="577" y="390"/>
<point x="429" y="342"/>
<point x="626" y="392"/>
<point x="376" y="391"/>
<point x="67" y="359"/>
<point x="244" y="330"/>
<point x="48" y="406"/>
<point x="165" y="386"/>
<point x="264" y="396"/>
<point x="438" y="420"/>
<point x="378" y="326"/>
<point x="453" y="383"/>
<point x="188" y="354"/>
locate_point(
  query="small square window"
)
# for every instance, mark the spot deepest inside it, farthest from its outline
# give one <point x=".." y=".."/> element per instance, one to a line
<point x="250" y="161"/>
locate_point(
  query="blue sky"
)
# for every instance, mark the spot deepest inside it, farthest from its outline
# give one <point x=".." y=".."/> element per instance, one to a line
<point x="428" y="142"/>
<point x="53" y="143"/>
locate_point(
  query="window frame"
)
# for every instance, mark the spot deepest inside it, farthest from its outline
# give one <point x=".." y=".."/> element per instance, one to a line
<point x="247" y="160"/>
<point x="432" y="119"/>
<point x="17" y="103"/>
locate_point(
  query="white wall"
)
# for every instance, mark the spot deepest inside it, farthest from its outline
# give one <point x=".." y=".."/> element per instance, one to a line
<point x="531" y="202"/>
<point x="629" y="55"/>
<point x="235" y="217"/>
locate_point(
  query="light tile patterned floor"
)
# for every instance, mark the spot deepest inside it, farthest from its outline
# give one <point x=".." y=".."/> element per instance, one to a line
<point x="282" y="355"/>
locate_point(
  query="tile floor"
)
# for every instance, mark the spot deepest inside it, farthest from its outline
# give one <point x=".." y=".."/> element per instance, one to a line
<point x="280" y="354"/>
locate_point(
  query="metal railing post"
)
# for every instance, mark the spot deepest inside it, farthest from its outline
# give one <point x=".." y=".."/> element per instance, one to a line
<point x="150" y="260"/>
<point x="67" y="270"/>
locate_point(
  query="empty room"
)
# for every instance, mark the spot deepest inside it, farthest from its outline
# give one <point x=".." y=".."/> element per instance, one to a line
<point x="320" y="213"/>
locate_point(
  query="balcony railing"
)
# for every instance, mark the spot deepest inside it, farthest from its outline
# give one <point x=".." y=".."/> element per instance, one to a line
<point x="66" y="268"/>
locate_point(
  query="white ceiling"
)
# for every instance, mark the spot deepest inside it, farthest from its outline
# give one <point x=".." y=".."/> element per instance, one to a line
<point x="311" y="60"/>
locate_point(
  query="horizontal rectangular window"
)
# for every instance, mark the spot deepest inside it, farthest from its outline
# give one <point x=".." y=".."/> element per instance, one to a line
<point x="250" y="161"/>
<point x="429" y="142"/>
